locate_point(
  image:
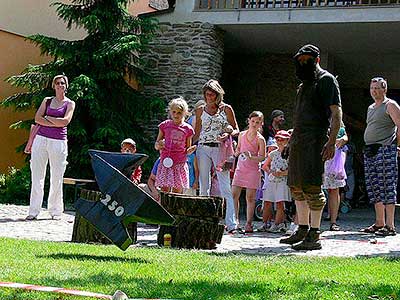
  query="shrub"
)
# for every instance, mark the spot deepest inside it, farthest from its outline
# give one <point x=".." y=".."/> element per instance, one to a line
<point x="15" y="186"/>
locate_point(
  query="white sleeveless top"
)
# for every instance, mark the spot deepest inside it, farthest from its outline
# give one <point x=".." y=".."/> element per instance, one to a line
<point x="212" y="126"/>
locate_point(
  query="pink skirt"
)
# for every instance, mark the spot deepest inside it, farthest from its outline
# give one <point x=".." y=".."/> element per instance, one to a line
<point x="175" y="177"/>
<point x="250" y="179"/>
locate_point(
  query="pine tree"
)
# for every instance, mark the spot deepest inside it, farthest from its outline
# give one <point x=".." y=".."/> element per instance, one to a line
<point x="99" y="68"/>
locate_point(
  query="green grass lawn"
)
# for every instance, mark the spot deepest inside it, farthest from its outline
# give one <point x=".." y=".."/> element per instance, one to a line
<point x="182" y="274"/>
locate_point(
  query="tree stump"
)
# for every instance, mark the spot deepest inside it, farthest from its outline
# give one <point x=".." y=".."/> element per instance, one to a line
<point x="197" y="221"/>
<point x="85" y="232"/>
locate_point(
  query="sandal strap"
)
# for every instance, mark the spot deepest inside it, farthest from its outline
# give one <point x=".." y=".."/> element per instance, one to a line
<point x="372" y="229"/>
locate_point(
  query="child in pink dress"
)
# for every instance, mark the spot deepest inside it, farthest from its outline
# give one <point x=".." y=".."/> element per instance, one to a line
<point x="175" y="142"/>
<point x="251" y="151"/>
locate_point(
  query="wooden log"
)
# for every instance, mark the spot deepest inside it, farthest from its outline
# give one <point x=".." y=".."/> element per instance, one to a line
<point x="196" y="221"/>
<point x="85" y="232"/>
<point x="194" y="206"/>
<point x="192" y="233"/>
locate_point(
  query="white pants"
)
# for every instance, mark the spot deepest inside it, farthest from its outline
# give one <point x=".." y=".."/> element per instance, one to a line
<point x="43" y="150"/>
<point x="206" y="156"/>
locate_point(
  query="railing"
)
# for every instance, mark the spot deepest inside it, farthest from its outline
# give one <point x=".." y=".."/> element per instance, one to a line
<point x="266" y="4"/>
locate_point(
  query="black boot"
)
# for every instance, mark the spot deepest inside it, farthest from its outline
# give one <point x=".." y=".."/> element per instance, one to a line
<point x="311" y="242"/>
<point x="296" y="237"/>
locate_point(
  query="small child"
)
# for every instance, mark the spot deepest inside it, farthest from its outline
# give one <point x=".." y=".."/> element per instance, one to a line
<point x="277" y="190"/>
<point x="214" y="188"/>
<point x="129" y="146"/>
<point x="175" y="142"/>
<point x="226" y="152"/>
<point x="251" y="151"/>
<point x="268" y="215"/>
<point x="192" y="159"/>
<point x="150" y="187"/>
<point x="193" y="175"/>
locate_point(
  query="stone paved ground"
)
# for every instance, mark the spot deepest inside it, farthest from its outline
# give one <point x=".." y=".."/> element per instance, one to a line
<point x="347" y="243"/>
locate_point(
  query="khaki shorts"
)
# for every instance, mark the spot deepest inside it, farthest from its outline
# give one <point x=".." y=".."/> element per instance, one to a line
<point x="312" y="194"/>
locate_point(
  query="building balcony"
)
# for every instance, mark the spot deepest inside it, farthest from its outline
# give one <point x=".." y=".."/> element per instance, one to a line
<point x="293" y="4"/>
<point x="359" y="34"/>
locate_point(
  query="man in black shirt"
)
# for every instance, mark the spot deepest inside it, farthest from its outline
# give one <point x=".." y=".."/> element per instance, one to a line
<point x="277" y="120"/>
<point x="318" y="107"/>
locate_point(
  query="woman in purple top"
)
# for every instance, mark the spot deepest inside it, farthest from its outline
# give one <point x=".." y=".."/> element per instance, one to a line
<point x="50" y="144"/>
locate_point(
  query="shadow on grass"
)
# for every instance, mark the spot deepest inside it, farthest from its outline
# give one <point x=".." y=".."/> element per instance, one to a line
<point x="100" y="258"/>
<point x="391" y="256"/>
<point x="285" y="250"/>
<point x="293" y="287"/>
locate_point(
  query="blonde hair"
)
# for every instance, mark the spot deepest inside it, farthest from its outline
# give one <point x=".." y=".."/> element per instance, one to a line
<point x="213" y="85"/>
<point x="53" y="83"/>
<point x="179" y="103"/>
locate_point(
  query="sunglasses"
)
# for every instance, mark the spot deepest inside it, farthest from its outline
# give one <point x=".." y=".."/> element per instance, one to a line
<point x="281" y="139"/>
<point x="381" y="80"/>
<point x="303" y="60"/>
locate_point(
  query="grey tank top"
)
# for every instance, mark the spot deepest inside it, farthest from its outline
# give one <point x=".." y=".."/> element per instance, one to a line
<point x="380" y="126"/>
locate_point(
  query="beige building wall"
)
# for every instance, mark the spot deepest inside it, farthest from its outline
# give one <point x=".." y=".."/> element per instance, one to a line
<point x="27" y="17"/>
<point x="15" y="54"/>
<point x="18" y="19"/>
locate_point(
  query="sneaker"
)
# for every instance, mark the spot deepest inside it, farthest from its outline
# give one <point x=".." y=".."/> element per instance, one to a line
<point x="264" y="227"/>
<point x="30" y="218"/>
<point x="280" y="228"/>
<point x="272" y="228"/>
<point x="292" y="228"/>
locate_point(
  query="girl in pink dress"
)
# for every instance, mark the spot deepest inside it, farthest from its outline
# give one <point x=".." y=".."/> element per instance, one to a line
<point x="251" y="151"/>
<point x="175" y="142"/>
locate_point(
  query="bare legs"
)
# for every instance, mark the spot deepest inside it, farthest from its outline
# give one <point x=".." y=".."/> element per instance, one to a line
<point x="167" y="189"/>
<point x="333" y="204"/>
<point x="384" y="214"/>
<point x="250" y="203"/>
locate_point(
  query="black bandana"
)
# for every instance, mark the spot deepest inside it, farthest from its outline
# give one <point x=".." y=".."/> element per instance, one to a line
<point x="307" y="70"/>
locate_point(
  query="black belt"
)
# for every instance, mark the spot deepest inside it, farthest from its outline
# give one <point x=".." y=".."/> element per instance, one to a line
<point x="210" y="144"/>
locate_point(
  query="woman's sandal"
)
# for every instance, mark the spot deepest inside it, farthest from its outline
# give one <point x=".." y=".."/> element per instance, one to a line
<point x="248" y="228"/>
<point x="371" y="229"/>
<point x="386" y="231"/>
